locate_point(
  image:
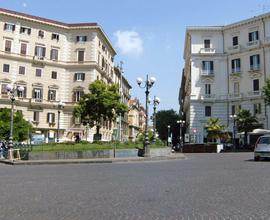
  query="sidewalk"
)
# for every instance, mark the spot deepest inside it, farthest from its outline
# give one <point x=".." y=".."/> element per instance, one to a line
<point x="173" y="156"/>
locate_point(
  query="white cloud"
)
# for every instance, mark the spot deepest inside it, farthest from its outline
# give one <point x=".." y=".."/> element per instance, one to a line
<point x="24" y="4"/>
<point x="129" y="42"/>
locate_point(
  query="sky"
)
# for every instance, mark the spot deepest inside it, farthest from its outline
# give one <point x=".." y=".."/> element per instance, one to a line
<point x="148" y="35"/>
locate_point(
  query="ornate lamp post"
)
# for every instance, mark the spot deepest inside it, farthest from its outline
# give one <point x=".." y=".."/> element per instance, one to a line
<point x="233" y="117"/>
<point x="12" y="90"/>
<point x="147" y="85"/>
<point x="168" y="139"/>
<point x="156" y="102"/>
<point x="60" y="105"/>
<point x="181" y="124"/>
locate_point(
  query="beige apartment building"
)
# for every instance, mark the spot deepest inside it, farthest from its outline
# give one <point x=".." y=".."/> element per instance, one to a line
<point x="54" y="62"/>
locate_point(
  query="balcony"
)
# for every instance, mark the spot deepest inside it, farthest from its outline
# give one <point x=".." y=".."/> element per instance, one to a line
<point x="234" y="49"/>
<point x="37" y="60"/>
<point x="257" y="93"/>
<point x="207" y="72"/>
<point x="208" y="97"/>
<point x="253" y="44"/>
<point x="207" y="50"/>
<point x="234" y="96"/>
<point x="255" y="67"/>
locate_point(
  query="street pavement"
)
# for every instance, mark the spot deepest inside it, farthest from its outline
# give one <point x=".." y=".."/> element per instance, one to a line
<point x="202" y="187"/>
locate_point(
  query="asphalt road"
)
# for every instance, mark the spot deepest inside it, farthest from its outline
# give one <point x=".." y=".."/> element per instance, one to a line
<point x="202" y="187"/>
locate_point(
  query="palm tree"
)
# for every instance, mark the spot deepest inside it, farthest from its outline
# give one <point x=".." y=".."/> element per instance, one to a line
<point x="214" y="128"/>
<point x="246" y="123"/>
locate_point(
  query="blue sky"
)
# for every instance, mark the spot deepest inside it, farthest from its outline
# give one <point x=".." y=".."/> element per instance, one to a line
<point x="148" y="35"/>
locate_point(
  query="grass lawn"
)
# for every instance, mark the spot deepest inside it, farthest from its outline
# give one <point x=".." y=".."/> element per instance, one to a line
<point x="87" y="146"/>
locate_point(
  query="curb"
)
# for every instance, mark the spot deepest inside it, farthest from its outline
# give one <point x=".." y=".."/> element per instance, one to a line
<point x="91" y="161"/>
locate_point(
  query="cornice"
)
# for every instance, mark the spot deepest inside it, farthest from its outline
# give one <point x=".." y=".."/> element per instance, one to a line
<point x="58" y="24"/>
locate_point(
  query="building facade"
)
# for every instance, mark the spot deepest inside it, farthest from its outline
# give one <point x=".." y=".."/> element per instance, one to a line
<point x="225" y="70"/>
<point x="54" y="62"/>
<point x="122" y="127"/>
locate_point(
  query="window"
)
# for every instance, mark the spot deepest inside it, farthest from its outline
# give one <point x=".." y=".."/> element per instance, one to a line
<point x="22" y="94"/>
<point x="253" y="36"/>
<point x="54" y="75"/>
<point x="8" y="46"/>
<point x="38" y="72"/>
<point x="37" y="94"/>
<point x="79" y="77"/>
<point x="4" y="89"/>
<point x="54" y="54"/>
<point x="235" y="41"/>
<point x="256" y="85"/>
<point x="40" y="52"/>
<point x="208" y="111"/>
<point x="207" y="89"/>
<point x="25" y="30"/>
<point x="23" y="48"/>
<point x="80" y="55"/>
<point x="50" y="118"/>
<point x="36" y="117"/>
<point x="81" y="38"/>
<point x="22" y="70"/>
<point x="257" y="108"/>
<point x="207" y="67"/>
<point x="236" y="66"/>
<point x="77" y="95"/>
<point x="254" y="62"/>
<point x="9" y="27"/>
<point x="236" y="88"/>
<point x="55" y="36"/>
<point x="52" y="95"/>
<point x="40" y="33"/>
<point x="6" y="68"/>
<point x="206" y="43"/>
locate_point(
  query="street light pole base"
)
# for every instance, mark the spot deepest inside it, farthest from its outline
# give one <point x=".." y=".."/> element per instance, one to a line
<point x="10" y="154"/>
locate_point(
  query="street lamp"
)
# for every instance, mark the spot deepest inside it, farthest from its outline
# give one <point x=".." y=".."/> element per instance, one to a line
<point x="156" y="102"/>
<point x="233" y="117"/>
<point x="181" y="124"/>
<point x="60" y="105"/>
<point x="147" y="85"/>
<point x="12" y="90"/>
<point x="168" y="135"/>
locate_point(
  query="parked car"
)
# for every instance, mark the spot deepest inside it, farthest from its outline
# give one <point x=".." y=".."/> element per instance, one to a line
<point x="262" y="148"/>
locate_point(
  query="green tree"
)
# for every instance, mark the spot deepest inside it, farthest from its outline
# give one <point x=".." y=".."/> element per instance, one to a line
<point x="163" y="119"/>
<point x="266" y="92"/>
<point x="21" y="127"/>
<point x="101" y="103"/>
<point x="214" y="128"/>
<point x="246" y="123"/>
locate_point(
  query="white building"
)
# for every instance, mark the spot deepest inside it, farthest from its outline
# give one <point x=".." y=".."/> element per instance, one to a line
<point x="225" y="70"/>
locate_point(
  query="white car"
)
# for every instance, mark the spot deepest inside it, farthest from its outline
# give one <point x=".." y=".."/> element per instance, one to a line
<point x="262" y="148"/>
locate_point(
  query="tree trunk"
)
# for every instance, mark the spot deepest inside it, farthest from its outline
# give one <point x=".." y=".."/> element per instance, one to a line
<point x="245" y="139"/>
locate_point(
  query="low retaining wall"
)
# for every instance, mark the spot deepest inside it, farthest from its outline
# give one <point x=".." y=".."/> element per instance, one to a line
<point x="94" y="154"/>
<point x="200" y="148"/>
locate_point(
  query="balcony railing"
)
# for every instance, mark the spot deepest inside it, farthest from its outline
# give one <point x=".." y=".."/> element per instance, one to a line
<point x="253" y="43"/>
<point x="235" y="48"/>
<point x="207" y="50"/>
<point x="235" y="95"/>
<point x="207" y="96"/>
<point x="255" y="93"/>
<point x="207" y="72"/>
<point x="236" y="70"/>
<point x="255" y="67"/>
